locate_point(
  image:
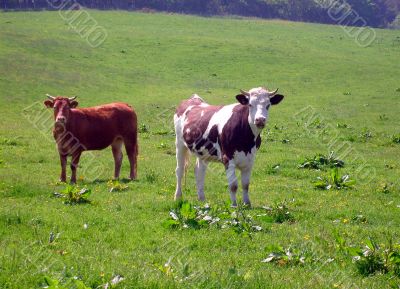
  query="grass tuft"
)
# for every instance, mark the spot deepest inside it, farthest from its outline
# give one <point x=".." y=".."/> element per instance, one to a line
<point x="335" y="181"/>
<point x="116" y="186"/>
<point x="151" y="176"/>
<point x="396" y="138"/>
<point x="9" y="142"/>
<point x="386" y="188"/>
<point x="372" y="258"/>
<point x="320" y="161"/>
<point x="291" y="256"/>
<point x="280" y="213"/>
<point x="187" y="216"/>
<point x="73" y="195"/>
<point x="143" y="128"/>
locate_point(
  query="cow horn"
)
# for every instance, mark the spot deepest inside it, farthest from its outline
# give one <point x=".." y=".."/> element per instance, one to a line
<point x="246" y="93"/>
<point x="72" y="98"/>
<point x="273" y="92"/>
<point x="50" y="97"/>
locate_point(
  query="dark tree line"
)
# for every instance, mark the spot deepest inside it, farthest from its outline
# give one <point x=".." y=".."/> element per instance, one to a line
<point x="376" y="13"/>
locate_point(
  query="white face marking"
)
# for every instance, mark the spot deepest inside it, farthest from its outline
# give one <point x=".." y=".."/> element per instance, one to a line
<point x="259" y="104"/>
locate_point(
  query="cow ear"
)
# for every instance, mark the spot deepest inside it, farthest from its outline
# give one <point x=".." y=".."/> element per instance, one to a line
<point x="49" y="103"/>
<point x="277" y="98"/>
<point x="73" y="104"/>
<point x="242" y="99"/>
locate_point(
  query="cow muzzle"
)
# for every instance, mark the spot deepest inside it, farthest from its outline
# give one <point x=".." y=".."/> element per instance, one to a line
<point x="260" y="122"/>
<point x="61" y="120"/>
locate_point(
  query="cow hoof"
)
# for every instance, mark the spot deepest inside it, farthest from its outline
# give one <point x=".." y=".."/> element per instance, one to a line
<point x="234" y="206"/>
<point x="247" y="205"/>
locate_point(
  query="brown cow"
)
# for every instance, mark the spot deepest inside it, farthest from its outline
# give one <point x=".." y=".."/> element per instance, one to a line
<point x="93" y="128"/>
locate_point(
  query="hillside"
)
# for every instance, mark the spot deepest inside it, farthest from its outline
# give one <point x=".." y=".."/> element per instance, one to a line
<point x="375" y="13"/>
<point x="153" y="61"/>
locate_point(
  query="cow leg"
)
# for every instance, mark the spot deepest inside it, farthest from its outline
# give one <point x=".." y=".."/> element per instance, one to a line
<point x="74" y="165"/>
<point x="200" y="173"/>
<point x="245" y="176"/>
<point x="117" y="154"/>
<point x="63" y="161"/>
<point x="181" y="161"/>
<point x="232" y="181"/>
<point x="132" y="152"/>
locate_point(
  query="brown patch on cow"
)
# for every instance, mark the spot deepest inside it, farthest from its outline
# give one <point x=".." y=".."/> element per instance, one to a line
<point x="198" y="119"/>
<point x="212" y="151"/>
<point x="258" y="142"/>
<point x="233" y="187"/>
<point x="225" y="161"/>
<point x="237" y="134"/>
<point x="186" y="103"/>
<point x="213" y="135"/>
<point x="213" y="139"/>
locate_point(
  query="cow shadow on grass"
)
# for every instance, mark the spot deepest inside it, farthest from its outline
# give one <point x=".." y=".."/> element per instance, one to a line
<point x="102" y="181"/>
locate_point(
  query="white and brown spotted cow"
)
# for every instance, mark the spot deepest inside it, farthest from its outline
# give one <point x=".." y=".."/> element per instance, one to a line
<point x="229" y="134"/>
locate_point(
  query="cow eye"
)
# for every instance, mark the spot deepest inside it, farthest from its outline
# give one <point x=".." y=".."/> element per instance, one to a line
<point x="268" y="106"/>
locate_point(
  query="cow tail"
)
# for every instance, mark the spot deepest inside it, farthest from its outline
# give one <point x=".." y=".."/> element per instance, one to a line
<point x="136" y="153"/>
<point x="134" y="143"/>
<point x="187" y="163"/>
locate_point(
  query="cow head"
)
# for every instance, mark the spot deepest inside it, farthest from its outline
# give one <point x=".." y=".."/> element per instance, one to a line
<point x="259" y="101"/>
<point x="62" y="107"/>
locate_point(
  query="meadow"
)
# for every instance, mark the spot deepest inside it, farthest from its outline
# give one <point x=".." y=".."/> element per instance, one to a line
<point x="337" y="95"/>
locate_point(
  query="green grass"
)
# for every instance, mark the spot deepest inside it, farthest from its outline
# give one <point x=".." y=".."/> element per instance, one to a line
<point x="165" y="59"/>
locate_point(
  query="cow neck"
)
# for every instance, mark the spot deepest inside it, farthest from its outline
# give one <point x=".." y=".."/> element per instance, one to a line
<point x="254" y="129"/>
<point x="71" y="122"/>
<point x="237" y="135"/>
<point x="250" y="130"/>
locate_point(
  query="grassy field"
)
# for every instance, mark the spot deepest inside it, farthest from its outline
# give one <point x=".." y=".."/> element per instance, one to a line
<point x="153" y="61"/>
